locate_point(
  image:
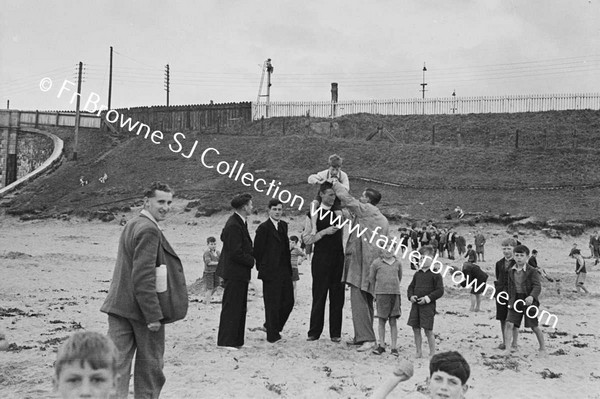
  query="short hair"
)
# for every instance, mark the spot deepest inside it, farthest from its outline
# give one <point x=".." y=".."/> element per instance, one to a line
<point x="211" y="239"/>
<point x="427" y="250"/>
<point x="294" y="238"/>
<point x="509" y="242"/>
<point x="576" y="252"/>
<point x="534" y="251"/>
<point x="325" y="186"/>
<point x="89" y="347"/>
<point x="373" y="195"/>
<point x="274" y="202"/>
<point x="470" y="246"/>
<point x="157" y="186"/>
<point x="521" y="249"/>
<point x="515" y="235"/>
<point x="240" y="200"/>
<point x="335" y="160"/>
<point x="452" y="363"/>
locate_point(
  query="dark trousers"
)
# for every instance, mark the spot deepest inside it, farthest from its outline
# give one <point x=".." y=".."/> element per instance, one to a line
<point x="278" y="295"/>
<point x="326" y="283"/>
<point x="232" y="324"/>
<point x="133" y="337"/>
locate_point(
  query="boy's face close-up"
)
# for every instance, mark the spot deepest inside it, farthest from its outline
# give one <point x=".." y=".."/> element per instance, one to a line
<point x="447" y="386"/>
<point x="292" y="244"/>
<point x="212" y="246"/>
<point x="507" y="252"/>
<point x="334" y="171"/>
<point x="77" y="381"/>
<point x="520" y="258"/>
<point x="425" y="261"/>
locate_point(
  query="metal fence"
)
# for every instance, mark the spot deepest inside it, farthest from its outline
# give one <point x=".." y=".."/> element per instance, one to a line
<point x="430" y="106"/>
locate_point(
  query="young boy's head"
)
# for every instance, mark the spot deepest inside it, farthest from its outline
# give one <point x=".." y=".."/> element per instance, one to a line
<point x="212" y="243"/>
<point x="534" y="252"/>
<point x="508" y="244"/>
<point x="293" y="241"/>
<point x="448" y="375"/>
<point x="427" y="253"/>
<point x="86" y="366"/>
<point x="335" y="164"/>
<point x="388" y="251"/>
<point x="469" y="246"/>
<point x="521" y="253"/>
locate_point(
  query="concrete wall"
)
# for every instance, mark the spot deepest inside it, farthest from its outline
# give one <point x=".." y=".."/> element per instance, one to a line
<point x="9" y="121"/>
<point x="32" y="150"/>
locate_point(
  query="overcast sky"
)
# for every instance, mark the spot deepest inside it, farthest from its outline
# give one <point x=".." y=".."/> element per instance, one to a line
<point x="373" y="49"/>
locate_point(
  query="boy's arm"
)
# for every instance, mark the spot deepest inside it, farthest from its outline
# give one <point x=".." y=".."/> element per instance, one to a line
<point x="438" y="288"/>
<point x="347" y="200"/>
<point x="411" y="288"/>
<point x="580" y="266"/>
<point x="399" y="271"/>
<point x="536" y="289"/>
<point x="373" y="273"/>
<point x="318" y="178"/>
<point x="310" y="238"/>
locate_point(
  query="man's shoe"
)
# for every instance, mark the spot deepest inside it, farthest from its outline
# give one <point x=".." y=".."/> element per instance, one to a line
<point x="367" y="345"/>
<point x="274" y="340"/>
<point x="312" y="338"/>
<point x="395" y="352"/>
<point x="379" y="350"/>
<point x="336" y="339"/>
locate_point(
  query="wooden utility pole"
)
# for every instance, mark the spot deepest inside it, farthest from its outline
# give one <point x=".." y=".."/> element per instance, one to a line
<point x="77" y="112"/>
<point x="334" y="99"/>
<point x="110" y="78"/>
<point x="7" y="104"/>
<point x="167" y="82"/>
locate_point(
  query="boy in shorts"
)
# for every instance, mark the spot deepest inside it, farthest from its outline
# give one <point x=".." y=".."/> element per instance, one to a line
<point x="501" y="284"/>
<point x="296" y="257"/>
<point x="473" y="272"/>
<point x="86" y="367"/>
<point x="580" y="271"/>
<point x="524" y="289"/>
<point x="471" y="254"/>
<point x="211" y="260"/>
<point x="448" y="376"/>
<point x="425" y="288"/>
<point x="385" y="275"/>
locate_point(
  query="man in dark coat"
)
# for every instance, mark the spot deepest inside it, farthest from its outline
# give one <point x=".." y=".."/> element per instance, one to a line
<point x="234" y="267"/>
<point x="147" y="290"/>
<point x="273" y="262"/>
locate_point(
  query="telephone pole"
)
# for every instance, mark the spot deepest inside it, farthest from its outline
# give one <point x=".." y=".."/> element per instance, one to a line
<point x="77" y="112"/>
<point x="110" y="78"/>
<point x="167" y="82"/>
<point x="424" y="84"/>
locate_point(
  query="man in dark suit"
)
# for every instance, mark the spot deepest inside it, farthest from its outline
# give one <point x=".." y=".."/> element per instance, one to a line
<point x="147" y="290"/>
<point x="273" y="261"/>
<point x="234" y="267"/>
<point x="326" y="268"/>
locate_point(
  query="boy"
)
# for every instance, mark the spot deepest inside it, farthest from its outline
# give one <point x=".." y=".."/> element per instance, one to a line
<point x="448" y="376"/>
<point x="425" y="288"/>
<point x="333" y="172"/>
<point x="297" y="257"/>
<point x="572" y="253"/>
<point x="471" y="254"/>
<point x="501" y="284"/>
<point x="524" y="288"/>
<point x="211" y="260"/>
<point x="580" y="271"/>
<point x="479" y="245"/>
<point x="533" y="262"/>
<point x="473" y="272"/>
<point x="86" y="367"/>
<point x="385" y="275"/>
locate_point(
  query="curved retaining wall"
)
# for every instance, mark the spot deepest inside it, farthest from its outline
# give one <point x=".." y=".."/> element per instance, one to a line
<point x="50" y="163"/>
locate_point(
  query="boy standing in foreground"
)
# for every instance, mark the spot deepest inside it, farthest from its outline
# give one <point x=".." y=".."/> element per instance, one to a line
<point x="448" y="376"/>
<point x="501" y="284"/>
<point x="86" y="367"/>
<point x="524" y="289"/>
<point x="385" y="275"/>
<point x="211" y="260"/>
<point x="425" y="288"/>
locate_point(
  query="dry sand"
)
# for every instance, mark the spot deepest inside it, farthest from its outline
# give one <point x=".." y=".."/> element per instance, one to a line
<point x="54" y="276"/>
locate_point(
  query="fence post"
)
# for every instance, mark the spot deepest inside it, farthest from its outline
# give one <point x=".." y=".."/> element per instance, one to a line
<point x="517" y="138"/>
<point x="433" y="135"/>
<point x="262" y="122"/>
<point x="37" y="115"/>
<point x="57" y="117"/>
<point x="218" y="123"/>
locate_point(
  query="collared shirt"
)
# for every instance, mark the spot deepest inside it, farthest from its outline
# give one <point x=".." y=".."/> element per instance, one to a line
<point x="275" y="222"/>
<point x="149" y="216"/>
<point x="519" y="276"/>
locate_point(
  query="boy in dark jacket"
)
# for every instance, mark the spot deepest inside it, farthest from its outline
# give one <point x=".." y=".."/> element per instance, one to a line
<point x="423" y="291"/>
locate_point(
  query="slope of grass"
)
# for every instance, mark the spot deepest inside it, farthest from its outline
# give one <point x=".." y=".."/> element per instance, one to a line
<point x="481" y="175"/>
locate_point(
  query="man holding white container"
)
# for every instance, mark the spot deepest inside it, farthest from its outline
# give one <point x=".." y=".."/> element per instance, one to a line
<point x="147" y="290"/>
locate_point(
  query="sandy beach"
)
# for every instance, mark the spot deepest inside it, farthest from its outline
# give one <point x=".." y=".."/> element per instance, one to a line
<point x="54" y="275"/>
